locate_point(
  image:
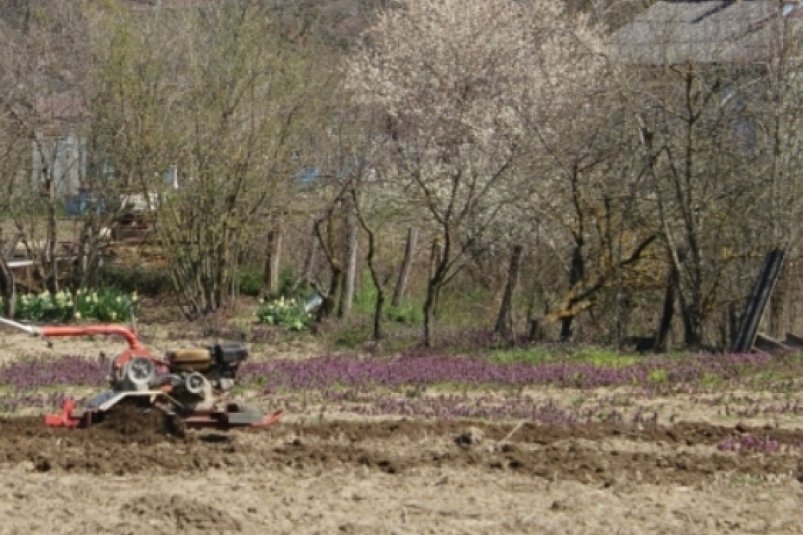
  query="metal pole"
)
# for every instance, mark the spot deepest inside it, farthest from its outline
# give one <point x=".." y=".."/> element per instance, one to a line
<point x="30" y="329"/>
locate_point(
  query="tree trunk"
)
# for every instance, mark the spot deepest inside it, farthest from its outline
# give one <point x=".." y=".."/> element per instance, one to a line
<point x="335" y="267"/>
<point x="566" y="328"/>
<point x="621" y="311"/>
<point x="576" y="275"/>
<point x="8" y="288"/>
<point x="404" y="271"/>
<point x="347" y="296"/>
<point x="535" y="332"/>
<point x="309" y="262"/>
<point x="379" y="303"/>
<point x="436" y="270"/>
<point x="668" y="310"/>
<point x="270" y="278"/>
<point x="504" y="320"/>
<point x="370" y="256"/>
<point x="85" y="267"/>
<point x="692" y="325"/>
<point x="328" y="304"/>
<point x="49" y="254"/>
<point x="429" y="303"/>
<point x="8" y="247"/>
<point x="777" y="305"/>
<point x="436" y="261"/>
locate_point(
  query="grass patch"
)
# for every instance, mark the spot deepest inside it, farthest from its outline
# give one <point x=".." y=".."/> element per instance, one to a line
<point x="600" y="357"/>
<point x="711" y="380"/>
<point x="461" y="306"/>
<point x="352" y="335"/>
<point x="658" y="377"/>
<point x="529" y="355"/>
<point x="407" y="313"/>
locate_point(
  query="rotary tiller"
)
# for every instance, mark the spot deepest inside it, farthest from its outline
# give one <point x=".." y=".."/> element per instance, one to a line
<point x="188" y="384"/>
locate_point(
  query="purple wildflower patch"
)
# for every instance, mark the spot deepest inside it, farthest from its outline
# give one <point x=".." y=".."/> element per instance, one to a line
<point x="354" y="372"/>
<point x="69" y="370"/>
<point x="754" y="444"/>
<point x="455" y="406"/>
<point x="365" y="384"/>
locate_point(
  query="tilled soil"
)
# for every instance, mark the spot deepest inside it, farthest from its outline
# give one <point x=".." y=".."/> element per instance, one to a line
<point x="164" y="481"/>
<point x="129" y="444"/>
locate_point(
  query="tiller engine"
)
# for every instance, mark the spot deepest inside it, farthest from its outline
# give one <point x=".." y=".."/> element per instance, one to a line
<point x="190" y="385"/>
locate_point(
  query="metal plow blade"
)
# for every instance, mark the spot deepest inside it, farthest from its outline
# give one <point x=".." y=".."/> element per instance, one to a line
<point x="233" y="417"/>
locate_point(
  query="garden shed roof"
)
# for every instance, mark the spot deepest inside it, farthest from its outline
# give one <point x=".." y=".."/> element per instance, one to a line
<point x="719" y="31"/>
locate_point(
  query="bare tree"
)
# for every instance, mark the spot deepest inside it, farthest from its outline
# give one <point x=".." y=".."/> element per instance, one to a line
<point x="690" y="108"/>
<point x="405" y="267"/>
<point x="504" y="319"/>
<point x="591" y="210"/>
<point x="773" y="107"/>
<point x="357" y="197"/>
<point x="45" y="65"/>
<point x="219" y="93"/>
<point x="451" y="77"/>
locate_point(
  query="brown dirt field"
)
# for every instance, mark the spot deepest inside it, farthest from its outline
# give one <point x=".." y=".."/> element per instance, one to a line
<point x="324" y="472"/>
<point x="404" y="476"/>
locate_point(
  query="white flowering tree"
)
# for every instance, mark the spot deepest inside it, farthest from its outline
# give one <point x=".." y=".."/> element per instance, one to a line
<point x="458" y="82"/>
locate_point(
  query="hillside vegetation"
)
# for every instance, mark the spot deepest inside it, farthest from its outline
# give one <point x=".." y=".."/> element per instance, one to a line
<point x="491" y="165"/>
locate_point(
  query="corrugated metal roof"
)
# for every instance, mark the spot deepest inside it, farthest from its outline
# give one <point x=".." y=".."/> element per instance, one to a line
<point x="721" y="31"/>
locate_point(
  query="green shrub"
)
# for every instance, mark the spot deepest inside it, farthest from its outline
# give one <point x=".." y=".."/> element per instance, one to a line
<point x="44" y="306"/>
<point x="146" y="281"/>
<point x="106" y="304"/>
<point x="250" y="283"/>
<point x="365" y="303"/>
<point x="364" y="295"/>
<point x="405" y="313"/>
<point x="287" y="313"/>
<point x="287" y="284"/>
<point x="351" y="335"/>
<point x="460" y="304"/>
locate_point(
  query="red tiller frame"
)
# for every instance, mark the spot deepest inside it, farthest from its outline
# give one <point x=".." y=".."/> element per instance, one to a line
<point x="65" y="417"/>
<point x="95" y="330"/>
<point x="135" y="349"/>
